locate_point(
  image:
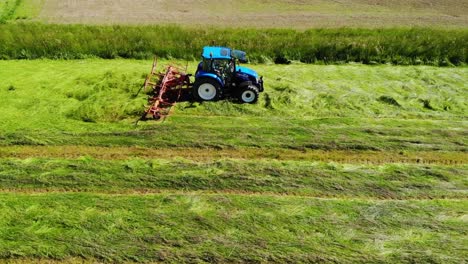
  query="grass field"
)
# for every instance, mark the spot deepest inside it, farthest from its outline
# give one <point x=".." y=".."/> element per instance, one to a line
<point x="367" y="107"/>
<point x="232" y="228"/>
<point x="346" y="159"/>
<point x="336" y="163"/>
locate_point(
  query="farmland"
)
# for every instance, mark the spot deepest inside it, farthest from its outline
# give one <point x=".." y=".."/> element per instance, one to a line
<point x="356" y="152"/>
<point x="251" y="13"/>
<point x="340" y="163"/>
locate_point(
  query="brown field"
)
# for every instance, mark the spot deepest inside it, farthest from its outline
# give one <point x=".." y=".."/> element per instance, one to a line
<point x="298" y="14"/>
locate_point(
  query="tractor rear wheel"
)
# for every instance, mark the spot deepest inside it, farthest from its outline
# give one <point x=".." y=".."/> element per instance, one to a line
<point x="206" y="90"/>
<point x="249" y="95"/>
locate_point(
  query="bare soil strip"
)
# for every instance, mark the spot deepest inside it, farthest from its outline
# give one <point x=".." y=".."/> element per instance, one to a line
<point x="204" y="154"/>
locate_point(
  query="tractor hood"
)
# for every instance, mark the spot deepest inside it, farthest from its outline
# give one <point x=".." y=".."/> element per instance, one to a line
<point x="247" y="71"/>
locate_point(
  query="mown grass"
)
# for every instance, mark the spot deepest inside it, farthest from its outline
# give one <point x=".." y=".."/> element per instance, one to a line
<point x="92" y="102"/>
<point x="395" y="181"/>
<point x="254" y="208"/>
<point x="207" y="133"/>
<point x="230" y="228"/>
<point x="248" y="153"/>
<point x="249" y="209"/>
<point x="396" y="46"/>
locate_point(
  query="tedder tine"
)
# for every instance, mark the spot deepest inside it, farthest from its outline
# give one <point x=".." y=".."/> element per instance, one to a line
<point x="149" y="77"/>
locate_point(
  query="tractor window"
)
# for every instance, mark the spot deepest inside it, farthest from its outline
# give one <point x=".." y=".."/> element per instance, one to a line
<point x="223" y="68"/>
<point x="240" y="55"/>
<point x="220" y="67"/>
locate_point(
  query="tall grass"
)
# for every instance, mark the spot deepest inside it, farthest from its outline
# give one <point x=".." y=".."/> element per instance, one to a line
<point x="396" y="46"/>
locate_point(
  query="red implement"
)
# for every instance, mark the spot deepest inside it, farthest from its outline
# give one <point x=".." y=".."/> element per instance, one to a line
<point x="166" y="89"/>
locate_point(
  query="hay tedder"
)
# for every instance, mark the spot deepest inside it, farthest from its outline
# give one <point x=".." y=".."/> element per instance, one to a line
<point x="218" y="76"/>
<point x="166" y="88"/>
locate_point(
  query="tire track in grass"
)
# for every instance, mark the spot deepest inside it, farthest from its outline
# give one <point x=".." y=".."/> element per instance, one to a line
<point x="203" y="154"/>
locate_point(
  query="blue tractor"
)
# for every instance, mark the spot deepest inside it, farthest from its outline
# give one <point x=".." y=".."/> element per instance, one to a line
<point x="219" y="75"/>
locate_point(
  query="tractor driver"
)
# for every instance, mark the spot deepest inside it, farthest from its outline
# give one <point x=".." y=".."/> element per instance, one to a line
<point x="224" y="68"/>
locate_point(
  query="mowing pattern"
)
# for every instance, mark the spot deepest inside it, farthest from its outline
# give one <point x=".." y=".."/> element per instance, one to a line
<point x="334" y="164"/>
<point x="207" y="154"/>
<point x="309" y="179"/>
<point x="232" y="228"/>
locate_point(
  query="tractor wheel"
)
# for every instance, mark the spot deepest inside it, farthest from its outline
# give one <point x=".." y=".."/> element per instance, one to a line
<point x="206" y="90"/>
<point x="249" y="95"/>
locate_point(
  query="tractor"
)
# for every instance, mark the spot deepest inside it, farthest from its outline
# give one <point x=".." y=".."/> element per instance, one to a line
<point x="219" y="76"/>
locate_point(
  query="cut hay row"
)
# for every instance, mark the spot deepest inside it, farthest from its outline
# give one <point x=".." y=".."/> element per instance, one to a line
<point x="344" y="164"/>
<point x="229" y="228"/>
<point x="299" y="178"/>
<point x="248" y="153"/>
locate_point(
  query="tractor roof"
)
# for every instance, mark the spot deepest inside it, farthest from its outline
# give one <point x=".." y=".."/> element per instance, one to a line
<point x="216" y="52"/>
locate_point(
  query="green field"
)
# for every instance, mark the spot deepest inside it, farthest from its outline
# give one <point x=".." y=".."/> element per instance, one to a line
<point x="289" y="177"/>
<point x="336" y="163"/>
<point x="19" y="10"/>
<point x="231" y="228"/>
<point x="49" y="102"/>
<point x="356" y="152"/>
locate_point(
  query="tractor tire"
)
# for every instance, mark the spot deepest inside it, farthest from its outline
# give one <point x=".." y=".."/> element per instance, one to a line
<point x="249" y="95"/>
<point x="206" y="90"/>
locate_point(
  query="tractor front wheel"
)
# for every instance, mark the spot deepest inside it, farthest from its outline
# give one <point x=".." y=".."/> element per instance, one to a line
<point x="249" y="95"/>
<point x="206" y="90"/>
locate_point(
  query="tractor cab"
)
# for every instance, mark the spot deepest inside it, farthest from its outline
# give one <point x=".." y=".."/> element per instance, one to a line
<point x="219" y="75"/>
